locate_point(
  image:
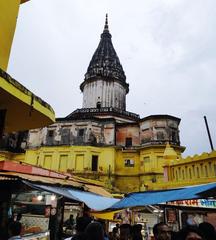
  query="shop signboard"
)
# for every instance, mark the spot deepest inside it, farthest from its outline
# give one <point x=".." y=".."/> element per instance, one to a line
<point x="201" y="203"/>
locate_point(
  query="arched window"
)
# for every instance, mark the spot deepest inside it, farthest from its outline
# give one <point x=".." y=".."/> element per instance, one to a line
<point x="206" y="171"/>
<point x="198" y="173"/>
<point x="173" y="136"/>
<point x="201" y="168"/>
<point x="190" y="175"/>
<point x="193" y="170"/>
<point x="183" y="174"/>
<point x="186" y="172"/>
<point x="99" y="105"/>
<point x="210" y="168"/>
<point x="176" y="175"/>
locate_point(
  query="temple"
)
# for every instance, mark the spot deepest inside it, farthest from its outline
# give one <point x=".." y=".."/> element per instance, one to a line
<point x="102" y="140"/>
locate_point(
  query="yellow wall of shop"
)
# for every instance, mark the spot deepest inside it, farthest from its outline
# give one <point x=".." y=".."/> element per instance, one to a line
<point x="126" y="170"/>
<point x="76" y="159"/>
<point x="9" y="11"/>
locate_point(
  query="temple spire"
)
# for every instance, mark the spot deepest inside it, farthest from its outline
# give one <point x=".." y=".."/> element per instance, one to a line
<point x="106" y="27"/>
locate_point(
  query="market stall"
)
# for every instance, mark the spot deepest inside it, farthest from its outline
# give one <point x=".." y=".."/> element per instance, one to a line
<point x="42" y="200"/>
<point x="180" y="213"/>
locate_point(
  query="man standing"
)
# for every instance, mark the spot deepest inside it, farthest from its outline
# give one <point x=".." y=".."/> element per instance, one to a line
<point x="14" y="230"/>
<point x="161" y="231"/>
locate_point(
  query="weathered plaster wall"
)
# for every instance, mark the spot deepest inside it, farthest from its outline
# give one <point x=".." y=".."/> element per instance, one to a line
<point x="127" y="131"/>
<point x="73" y="133"/>
<point x="107" y="93"/>
<point x="161" y="130"/>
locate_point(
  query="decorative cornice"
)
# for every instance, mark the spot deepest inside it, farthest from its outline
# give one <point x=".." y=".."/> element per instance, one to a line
<point x="86" y="112"/>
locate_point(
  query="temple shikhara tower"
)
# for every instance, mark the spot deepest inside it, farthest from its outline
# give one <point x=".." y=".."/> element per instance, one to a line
<point x="102" y="140"/>
<point x="105" y="81"/>
<point x="104" y="87"/>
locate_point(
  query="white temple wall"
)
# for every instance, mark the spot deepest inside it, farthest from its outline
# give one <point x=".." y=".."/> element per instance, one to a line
<point x="108" y="93"/>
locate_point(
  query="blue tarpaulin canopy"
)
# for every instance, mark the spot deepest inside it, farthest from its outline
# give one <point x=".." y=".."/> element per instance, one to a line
<point x="157" y="197"/>
<point x="99" y="203"/>
<point x="93" y="201"/>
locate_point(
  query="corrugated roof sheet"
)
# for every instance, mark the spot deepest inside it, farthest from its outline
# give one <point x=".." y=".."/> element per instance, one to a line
<point x="41" y="179"/>
<point x="67" y="182"/>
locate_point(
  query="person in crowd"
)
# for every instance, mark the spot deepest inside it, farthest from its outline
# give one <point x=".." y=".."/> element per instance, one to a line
<point x="94" y="231"/>
<point x="117" y="225"/>
<point x="190" y="233"/>
<point x="106" y="236"/>
<point x="81" y="224"/>
<point x="136" y="232"/>
<point x="208" y="231"/>
<point x="161" y="231"/>
<point x="69" y="222"/>
<point x="115" y="234"/>
<point x="125" y="231"/>
<point x="19" y="217"/>
<point x="14" y="230"/>
<point x="118" y="228"/>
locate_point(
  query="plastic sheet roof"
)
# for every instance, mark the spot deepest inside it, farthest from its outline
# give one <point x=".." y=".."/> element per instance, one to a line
<point x="93" y="201"/>
<point x="42" y="179"/>
<point x="157" y="197"/>
<point x="72" y="181"/>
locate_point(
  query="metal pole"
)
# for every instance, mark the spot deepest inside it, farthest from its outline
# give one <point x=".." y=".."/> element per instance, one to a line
<point x="209" y="135"/>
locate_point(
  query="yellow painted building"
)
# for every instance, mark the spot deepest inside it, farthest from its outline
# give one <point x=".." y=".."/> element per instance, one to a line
<point x="122" y="170"/>
<point x="152" y="168"/>
<point x="197" y="169"/>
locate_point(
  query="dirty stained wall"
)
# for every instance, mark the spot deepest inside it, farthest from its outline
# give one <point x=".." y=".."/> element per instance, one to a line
<point x="127" y="132"/>
<point x="160" y="130"/>
<point x="73" y="133"/>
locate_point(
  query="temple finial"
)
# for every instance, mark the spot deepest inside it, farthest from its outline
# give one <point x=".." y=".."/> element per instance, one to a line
<point x="106" y="27"/>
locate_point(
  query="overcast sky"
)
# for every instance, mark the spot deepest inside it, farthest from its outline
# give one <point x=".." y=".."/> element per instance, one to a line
<point x="166" y="47"/>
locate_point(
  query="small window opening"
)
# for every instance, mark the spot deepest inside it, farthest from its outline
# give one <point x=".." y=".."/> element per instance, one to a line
<point x="129" y="162"/>
<point x="99" y="105"/>
<point x="81" y="132"/>
<point x="128" y="142"/>
<point x="94" y="163"/>
<point x="50" y="133"/>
